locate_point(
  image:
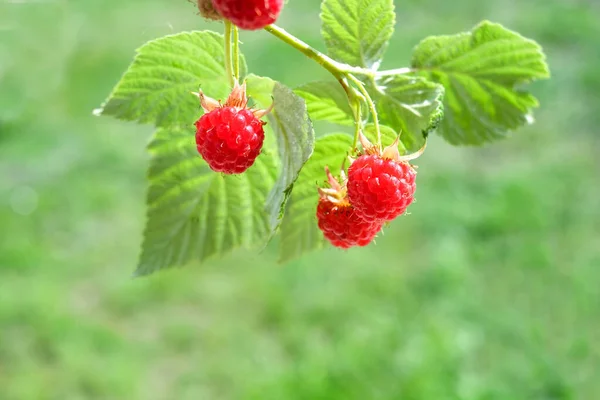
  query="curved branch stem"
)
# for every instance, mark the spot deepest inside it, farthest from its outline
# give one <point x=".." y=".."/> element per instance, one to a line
<point x="371" y="106"/>
<point x="335" y="68"/>
<point x="341" y="72"/>
<point x="354" y="99"/>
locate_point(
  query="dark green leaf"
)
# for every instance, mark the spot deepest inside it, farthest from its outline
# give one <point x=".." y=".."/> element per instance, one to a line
<point x="326" y="101"/>
<point x="410" y="105"/>
<point x="482" y="72"/>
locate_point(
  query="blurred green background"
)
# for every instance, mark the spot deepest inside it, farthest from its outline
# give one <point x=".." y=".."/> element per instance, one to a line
<point x="488" y="290"/>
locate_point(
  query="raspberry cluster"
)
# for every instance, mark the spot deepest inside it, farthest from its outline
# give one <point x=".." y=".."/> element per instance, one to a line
<point x="380" y="187"/>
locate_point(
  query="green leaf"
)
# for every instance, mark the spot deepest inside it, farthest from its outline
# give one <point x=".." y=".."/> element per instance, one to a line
<point x="410" y="105"/>
<point x="195" y="213"/>
<point x="295" y="136"/>
<point x="299" y="230"/>
<point x="156" y="87"/>
<point x="388" y="135"/>
<point x="482" y="72"/>
<point x="327" y="101"/>
<point x="357" y="32"/>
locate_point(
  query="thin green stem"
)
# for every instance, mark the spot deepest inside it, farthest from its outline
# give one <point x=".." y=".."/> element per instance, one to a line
<point x="339" y="70"/>
<point x="358" y="125"/>
<point x="371" y="105"/>
<point x="354" y="100"/>
<point x="397" y="71"/>
<point x="335" y="68"/>
<point x="228" y="55"/>
<point x="236" y="53"/>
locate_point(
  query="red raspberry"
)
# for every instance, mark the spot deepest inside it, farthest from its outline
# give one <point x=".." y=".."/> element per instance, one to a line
<point x="230" y="137"/>
<point x="338" y="220"/>
<point x="381" y="184"/>
<point x="249" y="14"/>
<point x="229" y="140"/>
<point x="380" y="188"/>
<point x="343" y="227"/>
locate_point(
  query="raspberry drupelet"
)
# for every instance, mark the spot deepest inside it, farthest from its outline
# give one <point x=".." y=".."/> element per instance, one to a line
<point x="229" y="137"/>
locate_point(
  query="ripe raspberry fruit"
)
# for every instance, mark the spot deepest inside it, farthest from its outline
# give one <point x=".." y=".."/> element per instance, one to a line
<point x="381" y="185"/>
<point x="249" y="14"/>
<point x="338" y="221"/>
<point x="229" y="137"/>
<point x="342" y="227"/>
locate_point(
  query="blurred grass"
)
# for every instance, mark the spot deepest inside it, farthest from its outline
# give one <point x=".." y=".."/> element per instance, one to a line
<point x="488" y="290"/>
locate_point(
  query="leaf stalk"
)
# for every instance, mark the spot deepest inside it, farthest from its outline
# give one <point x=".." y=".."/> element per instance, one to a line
<point x="231" y="76"/>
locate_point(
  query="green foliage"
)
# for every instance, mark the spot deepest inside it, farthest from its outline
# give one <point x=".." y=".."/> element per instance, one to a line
<point x="293" y="128"/>
<point x="488" y="290"/>
<point x="482" y="71"/>
<point x="156" y="87"/>
<point x="299" y="231"/>
<point x="410" y="105"/>
<point x="195" y="213"/>
<point x="357" y="32"/>
<point x="388" y="136"/>
<point x="327" y="101"/>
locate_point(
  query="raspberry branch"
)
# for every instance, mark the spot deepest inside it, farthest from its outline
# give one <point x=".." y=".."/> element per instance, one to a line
<point x="342" y="72"/>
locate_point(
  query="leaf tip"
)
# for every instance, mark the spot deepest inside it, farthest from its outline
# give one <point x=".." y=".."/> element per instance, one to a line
<point x="97" y="112"/>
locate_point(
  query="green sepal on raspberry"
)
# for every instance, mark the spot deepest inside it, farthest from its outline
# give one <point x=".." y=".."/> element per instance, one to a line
<point x="229" y="137"/>
<point x="249" y="14"/>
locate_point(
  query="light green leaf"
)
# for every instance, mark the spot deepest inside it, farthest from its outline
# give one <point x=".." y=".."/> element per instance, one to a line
<point x="327" y="101"/>
<point x="295" y="136"/>
<point x="157" y="86"/>
<point x="482" y="71"/>
<point x="388" y="136"/>
<point x="357" y="32"/>
<point x="195" y="213"/>
<point x="410" y="105"/>
<point x="299" y="230"/>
